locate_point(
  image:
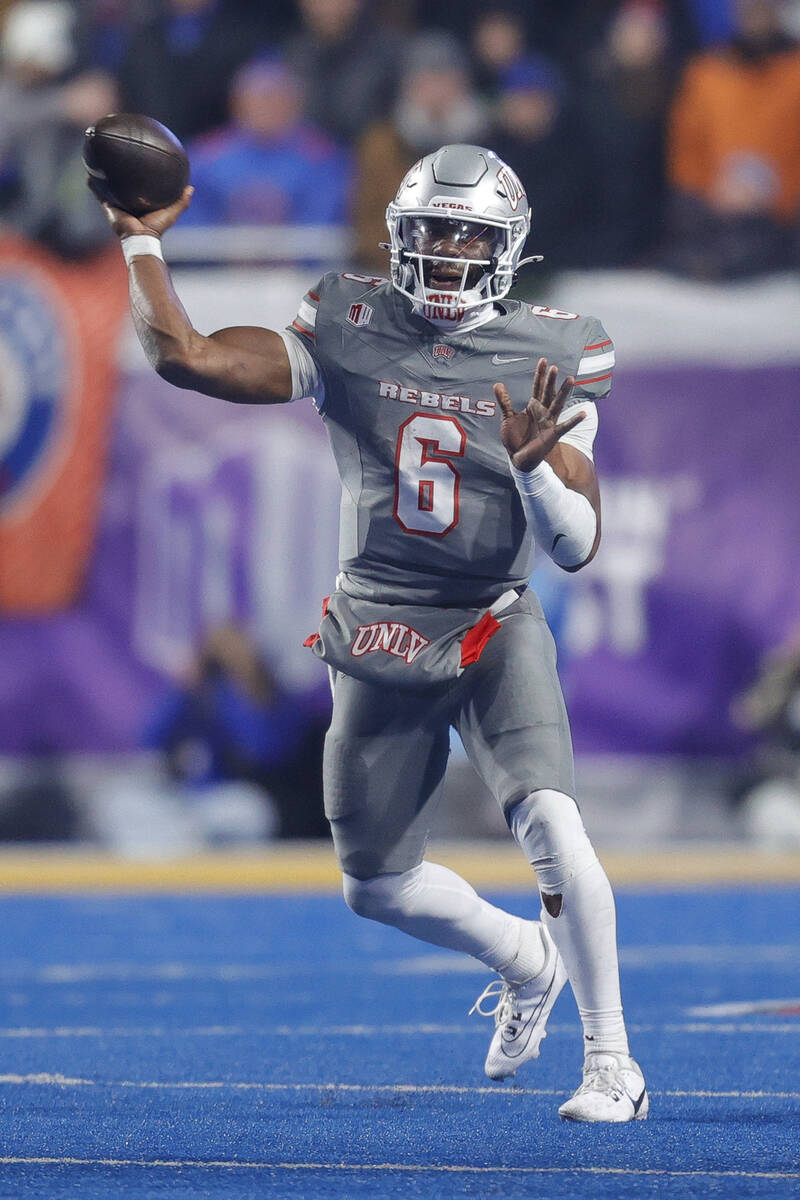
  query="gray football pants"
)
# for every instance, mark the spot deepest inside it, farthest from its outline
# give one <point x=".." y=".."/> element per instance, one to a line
<point x="387" y="748"/>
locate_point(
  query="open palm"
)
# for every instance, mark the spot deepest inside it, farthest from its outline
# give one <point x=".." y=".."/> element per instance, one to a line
<point x="531" y="434"/>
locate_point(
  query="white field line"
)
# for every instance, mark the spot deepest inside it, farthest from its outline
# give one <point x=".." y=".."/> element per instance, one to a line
<point x="744" y="1008"/>
<point x="45" y="1079"/>
<point x="408" y="1168"/>
<point x="631" y="957"/>
<point x="32" y="1032"/>
<point x="176" y="972"/>
<point x="424" y="964"/>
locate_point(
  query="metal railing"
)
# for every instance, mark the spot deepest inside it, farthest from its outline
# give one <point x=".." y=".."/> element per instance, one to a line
<point x="259" y="244"/>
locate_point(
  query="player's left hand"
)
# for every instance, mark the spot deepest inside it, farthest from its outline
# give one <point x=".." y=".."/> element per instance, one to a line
<point x="530" y="435"/>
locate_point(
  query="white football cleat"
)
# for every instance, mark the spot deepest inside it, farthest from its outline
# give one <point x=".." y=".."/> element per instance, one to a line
<point x="612" y="1090"/>
<point x="520" y="1013"/>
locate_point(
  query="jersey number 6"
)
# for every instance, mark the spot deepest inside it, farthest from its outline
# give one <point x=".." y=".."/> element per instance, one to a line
<point x="426" y="482"/>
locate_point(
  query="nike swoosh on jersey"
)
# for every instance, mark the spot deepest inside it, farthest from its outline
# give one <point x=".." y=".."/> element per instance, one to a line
<point x="499" y="360"/>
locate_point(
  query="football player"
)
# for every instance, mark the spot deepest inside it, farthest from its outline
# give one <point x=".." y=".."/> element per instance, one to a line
<point x="462" y="425"/>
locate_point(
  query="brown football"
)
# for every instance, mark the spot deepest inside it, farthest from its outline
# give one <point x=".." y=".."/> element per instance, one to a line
<point x="135" y="162"/>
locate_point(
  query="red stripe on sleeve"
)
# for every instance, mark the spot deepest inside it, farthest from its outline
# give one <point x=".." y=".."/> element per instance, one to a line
<point x="314" y="296"/>
<point x="302" y="329"/>
<point x="595" y="379"/>
<point x="597" y="345"/>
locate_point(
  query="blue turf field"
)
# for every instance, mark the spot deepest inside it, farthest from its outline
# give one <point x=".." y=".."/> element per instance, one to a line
<point x="268" y="1046"/>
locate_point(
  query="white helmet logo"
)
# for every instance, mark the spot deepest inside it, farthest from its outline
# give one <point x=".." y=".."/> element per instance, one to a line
<point x="511" y="186"/>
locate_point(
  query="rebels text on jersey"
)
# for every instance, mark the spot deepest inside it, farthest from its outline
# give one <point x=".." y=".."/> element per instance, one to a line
<point x="430" y="513"/>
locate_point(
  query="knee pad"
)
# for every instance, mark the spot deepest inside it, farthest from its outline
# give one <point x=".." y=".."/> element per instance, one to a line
<point x="382" y="898"/>
<point x="548" y="827"/>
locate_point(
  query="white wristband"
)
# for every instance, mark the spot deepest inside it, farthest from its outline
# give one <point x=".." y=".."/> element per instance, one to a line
<point x="141" y="243"/>
<point x="563" y="522"/>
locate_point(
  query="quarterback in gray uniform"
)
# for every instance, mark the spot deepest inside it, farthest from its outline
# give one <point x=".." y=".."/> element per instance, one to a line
<point x="462" y="426"/>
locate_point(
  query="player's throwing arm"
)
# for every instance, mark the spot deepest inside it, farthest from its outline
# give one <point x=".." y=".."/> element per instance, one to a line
<point x="246" y="364"/>
<point x="557" y="483"/>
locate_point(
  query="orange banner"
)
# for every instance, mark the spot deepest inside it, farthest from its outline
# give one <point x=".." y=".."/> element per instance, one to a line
<point x="59" y="339"/>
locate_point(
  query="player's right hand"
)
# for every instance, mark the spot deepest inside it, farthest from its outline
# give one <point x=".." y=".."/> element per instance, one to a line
<point x="155" y="223"/>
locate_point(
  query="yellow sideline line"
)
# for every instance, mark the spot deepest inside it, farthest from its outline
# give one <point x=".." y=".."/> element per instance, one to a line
<point x="310" y="866"/>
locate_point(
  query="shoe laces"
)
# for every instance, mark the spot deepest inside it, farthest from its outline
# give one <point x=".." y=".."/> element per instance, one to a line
<point x="505" y="998"/>
<point x="604" y="1079"/>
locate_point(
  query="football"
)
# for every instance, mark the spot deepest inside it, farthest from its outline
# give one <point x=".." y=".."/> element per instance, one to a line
<point x="135" y="162"/>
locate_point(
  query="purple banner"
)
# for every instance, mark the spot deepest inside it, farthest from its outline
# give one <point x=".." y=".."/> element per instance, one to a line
<point x="213" y="513"/>
<point x="216" y="513"/>
<point x="699" y="570"/>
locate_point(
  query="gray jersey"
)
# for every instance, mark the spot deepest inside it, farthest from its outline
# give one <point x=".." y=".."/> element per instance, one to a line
<point x="430" y="513"/>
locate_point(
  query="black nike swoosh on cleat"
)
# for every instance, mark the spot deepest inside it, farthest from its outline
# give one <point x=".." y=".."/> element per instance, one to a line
<point x="527" y="1027"/>
<point x="556" y="540"/>
<point x="637" y="1104"/>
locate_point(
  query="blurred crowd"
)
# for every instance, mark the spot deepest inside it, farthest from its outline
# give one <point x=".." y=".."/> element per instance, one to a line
<point x="647" y="132"/>
<point x="227" y="755"/>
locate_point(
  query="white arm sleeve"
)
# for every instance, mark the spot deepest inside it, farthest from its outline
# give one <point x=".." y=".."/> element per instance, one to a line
<point x="306" y="377"/>
<point x="563" y="522"/>
<point x="583" y="435"/>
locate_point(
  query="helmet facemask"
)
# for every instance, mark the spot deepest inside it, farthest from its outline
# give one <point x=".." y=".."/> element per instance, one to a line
<point x="448" y="262"/>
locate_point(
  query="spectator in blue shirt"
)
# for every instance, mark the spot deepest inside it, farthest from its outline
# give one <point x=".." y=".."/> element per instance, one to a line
<point x="230" y="720"/>
<point x="268" y="165"/>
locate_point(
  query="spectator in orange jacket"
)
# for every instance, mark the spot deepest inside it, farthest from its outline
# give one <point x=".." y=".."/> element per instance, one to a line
<point x="734" y="150"/>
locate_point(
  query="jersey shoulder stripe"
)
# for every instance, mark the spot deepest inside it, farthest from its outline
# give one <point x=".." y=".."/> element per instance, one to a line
<point x="596" y="365"/>
<point x="305" y="321"/>
<point x="306" y="318"/>
<point x="579" y="343"/>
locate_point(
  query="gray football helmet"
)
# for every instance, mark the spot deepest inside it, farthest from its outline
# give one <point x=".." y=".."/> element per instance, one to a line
<point x="461" y="199"/>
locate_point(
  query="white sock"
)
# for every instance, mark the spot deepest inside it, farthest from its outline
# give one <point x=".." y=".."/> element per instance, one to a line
<point x="435" y="905"/>
<point x="578" y="910"/>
